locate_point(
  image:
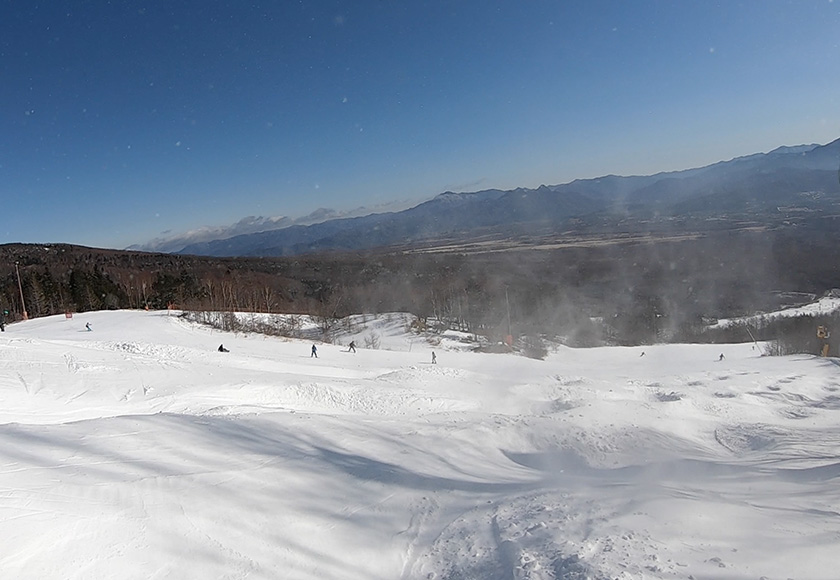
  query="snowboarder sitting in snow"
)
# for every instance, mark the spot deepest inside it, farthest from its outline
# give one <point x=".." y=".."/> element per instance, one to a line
<point x="314" y="352"/>
<point x="352" y="347"/>
<point x="222" y="348"/>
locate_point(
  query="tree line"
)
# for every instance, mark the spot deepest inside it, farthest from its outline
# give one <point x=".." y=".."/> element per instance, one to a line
<point x="587" y="295"/>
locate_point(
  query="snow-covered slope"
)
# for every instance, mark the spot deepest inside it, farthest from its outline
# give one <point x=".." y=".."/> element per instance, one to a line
<point x="828" y="304"/>
<point x="137" y="450"/>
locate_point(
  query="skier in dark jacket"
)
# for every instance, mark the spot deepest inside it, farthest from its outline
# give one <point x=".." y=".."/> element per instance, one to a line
<point x="352" y="347"/>
<point x="314" y="352"/>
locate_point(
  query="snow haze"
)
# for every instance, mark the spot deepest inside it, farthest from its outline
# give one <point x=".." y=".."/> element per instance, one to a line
<point x="137" y="450"/>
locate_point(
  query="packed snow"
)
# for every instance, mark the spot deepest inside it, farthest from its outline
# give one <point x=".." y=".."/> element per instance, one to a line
<point x="138" y="450"/>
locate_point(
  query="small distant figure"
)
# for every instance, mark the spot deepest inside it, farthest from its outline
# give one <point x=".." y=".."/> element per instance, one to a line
<point x="222" y="348"/>
<point x="314" y="352"/>
<point x="641" y="355"/>
<point x="87" y="325"/>
<point x="721" y="357"/>
<point x="434" y="358"/>
<point x="352" y="347"/>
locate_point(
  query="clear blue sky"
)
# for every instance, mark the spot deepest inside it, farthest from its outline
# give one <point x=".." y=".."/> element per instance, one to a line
<point x="123" y="120"/>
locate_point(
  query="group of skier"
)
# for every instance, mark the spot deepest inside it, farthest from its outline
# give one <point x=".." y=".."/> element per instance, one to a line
<point x="313" y="353"/>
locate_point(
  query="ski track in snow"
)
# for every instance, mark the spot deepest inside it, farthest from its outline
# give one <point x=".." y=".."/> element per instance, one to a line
<point x="139" y="451"/>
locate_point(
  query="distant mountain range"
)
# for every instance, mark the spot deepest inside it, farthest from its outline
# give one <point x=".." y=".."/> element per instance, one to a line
<point x="173" y="243"/>
<point x="765" y="188"/>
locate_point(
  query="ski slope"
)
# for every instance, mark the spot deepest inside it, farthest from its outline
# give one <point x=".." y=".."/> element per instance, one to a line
<point x="137" y="450"/>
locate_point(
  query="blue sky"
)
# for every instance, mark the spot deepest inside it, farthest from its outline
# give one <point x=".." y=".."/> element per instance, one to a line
<point x="123" y="120"/>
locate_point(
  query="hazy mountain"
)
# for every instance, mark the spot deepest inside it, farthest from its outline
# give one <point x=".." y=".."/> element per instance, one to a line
<point x="753" y="187"/>
<point x="173" y="243"/>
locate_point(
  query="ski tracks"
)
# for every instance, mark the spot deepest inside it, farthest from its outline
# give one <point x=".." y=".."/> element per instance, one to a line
<point x="417" y="532"/>
<point x="238" y="565"/>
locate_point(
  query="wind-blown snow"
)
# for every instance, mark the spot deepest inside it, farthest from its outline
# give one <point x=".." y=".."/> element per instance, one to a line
<point x="137" y="450"/>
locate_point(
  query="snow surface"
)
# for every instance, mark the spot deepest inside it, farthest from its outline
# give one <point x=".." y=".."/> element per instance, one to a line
<point x="824" y="306"/>
<point x="137" y="450"/>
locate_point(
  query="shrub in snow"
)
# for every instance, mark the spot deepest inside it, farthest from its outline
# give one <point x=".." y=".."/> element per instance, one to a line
<point x="372" y="341"/>
<point x="534" y="347"/>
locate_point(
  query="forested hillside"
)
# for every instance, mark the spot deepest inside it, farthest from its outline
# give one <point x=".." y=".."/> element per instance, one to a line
<point x="635" y="290"/>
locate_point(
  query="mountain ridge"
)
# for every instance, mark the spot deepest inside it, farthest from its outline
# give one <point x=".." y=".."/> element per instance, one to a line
<point x="751" y="186"/>
<point x="172" y="243"/>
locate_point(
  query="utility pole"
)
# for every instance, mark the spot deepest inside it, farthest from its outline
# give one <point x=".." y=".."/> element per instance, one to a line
<point x="20" y="287"/>
<point x="509" y="338"/>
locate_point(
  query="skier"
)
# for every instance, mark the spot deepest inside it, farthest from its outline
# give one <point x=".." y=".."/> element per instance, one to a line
<point x="222" y="348"/>
<point x="87" y="325"/>
<point x="352" y="347"/>
<point x="434" y="358"/>
<point x="721" y="357"/>
<point x="314" y="352"/>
